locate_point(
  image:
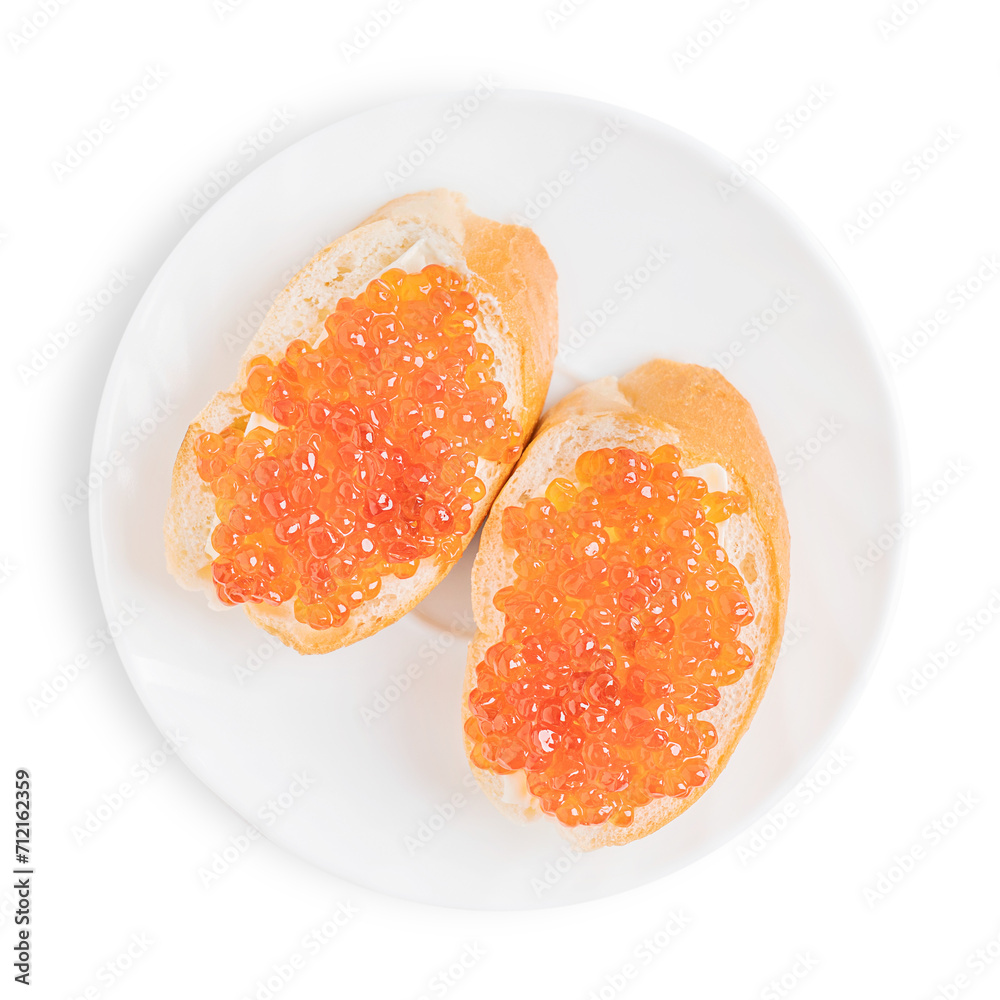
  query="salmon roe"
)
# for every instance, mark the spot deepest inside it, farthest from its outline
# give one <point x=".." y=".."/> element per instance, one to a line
<point x="381" y="427"/>
<point x="620" y="628"/>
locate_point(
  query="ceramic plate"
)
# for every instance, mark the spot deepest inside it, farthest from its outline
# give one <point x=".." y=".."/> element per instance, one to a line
<point x="354" y="760"/>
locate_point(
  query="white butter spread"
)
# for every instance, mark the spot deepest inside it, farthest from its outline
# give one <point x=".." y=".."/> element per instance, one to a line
<point x="416" y="257"/>
<point x="209" y="547"/>
<point x="717" y="480"/>
<point x="259" y="420"/>
<point x="715" y="476"/>
<point x="515" y="790"/>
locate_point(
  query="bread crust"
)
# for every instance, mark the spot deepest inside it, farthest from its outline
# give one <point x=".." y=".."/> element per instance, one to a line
<point x="511" y="274"/>
<point x="698" y="411"/>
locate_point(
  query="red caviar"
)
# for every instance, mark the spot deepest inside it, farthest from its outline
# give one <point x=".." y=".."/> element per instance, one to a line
<point x="382" y="424"/>
<point x="622" y="624"/>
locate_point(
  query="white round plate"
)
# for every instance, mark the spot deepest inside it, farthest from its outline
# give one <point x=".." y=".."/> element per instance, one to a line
<point x="354" y="760"/>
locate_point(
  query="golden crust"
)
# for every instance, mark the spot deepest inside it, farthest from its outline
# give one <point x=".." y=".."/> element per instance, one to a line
<point x="507" y="263"/>
<point x="697" y="410"/>
<point x="518" y="270"/>
<point x="714" y="420"/>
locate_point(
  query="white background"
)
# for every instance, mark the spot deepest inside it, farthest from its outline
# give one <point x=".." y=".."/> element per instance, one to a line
<point x="823" y="908"/>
